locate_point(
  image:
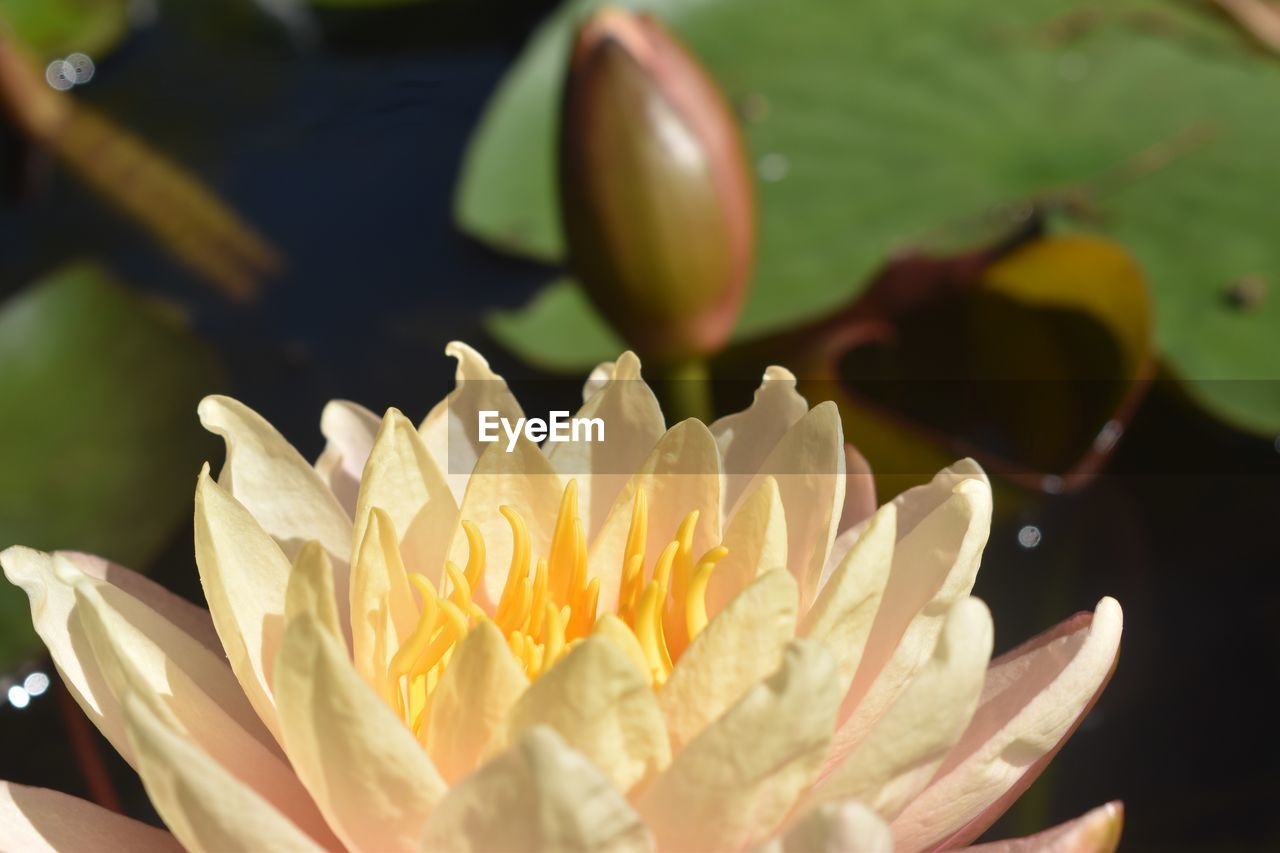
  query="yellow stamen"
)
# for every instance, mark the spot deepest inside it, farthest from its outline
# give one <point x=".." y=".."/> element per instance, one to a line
<point x="695" y="600"/>
<point x="475" y="554"/>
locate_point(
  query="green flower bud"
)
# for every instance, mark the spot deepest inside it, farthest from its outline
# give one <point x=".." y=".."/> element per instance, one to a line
<point x="655" y="191"/>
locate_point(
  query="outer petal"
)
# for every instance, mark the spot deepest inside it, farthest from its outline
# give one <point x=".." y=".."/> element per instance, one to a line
<point x="603" y="706"/>
<point x="451" y="429"/>
<point x="538" y="796"/>
<point x="1096" y="831"/>
<point x="680" y="475"/>
<point x="349" y="429"/>
<point x="597" y="379"/>
<point x="188" y="617"/>
<point x="859" y="489"/>
<point x="141" y="656"/>
<point x="160" y="645"/>
<point x="383" y="612"/>
<point x="757" y="541"/>
<point x="270" y="478"/>
<point x="470" y="704"/>
<point x="204" y="806"/>
<point x="363" y="766"/>
<point x="402" y="479"/>
<point x="522" y="479"/>
<point x="904" y="749"/>
<point x="37" y="820"/>
<point x="942" y="529"/>
<point x="244" y="575"/>
<point x="740" y="646"/>
<point x="1033" y="699"/>
<point x="848" y="827"/>
<point x="808" y="463"/>
<point x="747" y="438"/>
<point x="310" y="590"/>
<point x="846" y="607"/>
<point x="633" y="424"/>
<point x="737" y="780"/>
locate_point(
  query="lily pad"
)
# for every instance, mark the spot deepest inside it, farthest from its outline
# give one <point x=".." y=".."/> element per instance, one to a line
<point x="99" y="442"/>
<point x="55" y="28"/>
<point x="885" y="122"/>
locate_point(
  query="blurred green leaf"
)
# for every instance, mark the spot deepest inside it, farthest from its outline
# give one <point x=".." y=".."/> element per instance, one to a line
<point x="562" y="329"/>
<point x="885" y="123"/>
<point x="99" y="441"/>
<point x="55" y="28"/>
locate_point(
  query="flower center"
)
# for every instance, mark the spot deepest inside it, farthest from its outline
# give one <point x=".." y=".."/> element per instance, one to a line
<point x="549" y="605"/>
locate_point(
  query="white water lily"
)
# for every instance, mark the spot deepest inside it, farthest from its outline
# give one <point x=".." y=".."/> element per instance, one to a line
<point x="695" y="638"/>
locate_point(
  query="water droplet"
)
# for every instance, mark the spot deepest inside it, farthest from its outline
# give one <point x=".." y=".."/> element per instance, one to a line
<point x="773" y="167"/>
<point x="36" y="684"/>
<point x="1246" y="293"/>
<point x="1052" y="484"/>
<point x="60" y="75"/>
<point x="1029" y="537"/>
<point x="83" y="67"/>
<point x="18" y="697"/>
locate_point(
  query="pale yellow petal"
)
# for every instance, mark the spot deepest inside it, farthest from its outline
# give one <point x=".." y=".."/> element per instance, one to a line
<point x="740" y="646"/>
<point x="597" y="379"/>
<point x="202" y="804"/>
<point x="469" y="706"/>
<point x="539" y="796"/>
<point x="310" y="590"/>
<point x="403" y="480"/>
<point x="736" y="781"/>
<point x="1032" y="700"/>
<point x="270" y="478"/>
<point x="191" y="618"/>
<point x="616" y="631"/>
<point x="808" y="463"/>
<point x="846" y="606"/>
<point x="859" y="489"/>
<point x="680" y="475"/>
<point x="1096" y="831"/>
<point x="747" y="438"/>
<point x="349" y="430"/>
<point x="38" y="820"/>
<point x="847" y="827"/>
<point x="942" y="529"/>
<point x="383" y="612"/>
<point x="362" y="765"/>
<point x="633" y="424"/>
<point x="139" y="654"/>
<point x="907" y="745"/>
<point x="160" y="645"/>
<point x="244" y="575"/>
<point x="451" y="429"/>
<point x="756" y="537"/>
<point x="603" y="707"/>
<point x="522" y="479"/>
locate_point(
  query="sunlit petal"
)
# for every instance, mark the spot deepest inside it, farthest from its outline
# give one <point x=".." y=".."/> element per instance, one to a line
<point x="202" y="804"/>
<point x="37" y="820"/>
<point x="349" y="430"/>
<point x="603" y="707"/>
<point x="738" y="779"/>
<point x="1032" y="700"/>
<point x="539" y="795"/>
<point x="364" y="768"/>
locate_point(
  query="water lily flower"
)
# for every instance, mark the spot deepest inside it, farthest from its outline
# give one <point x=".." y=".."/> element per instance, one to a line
<point x="687" y="638"/>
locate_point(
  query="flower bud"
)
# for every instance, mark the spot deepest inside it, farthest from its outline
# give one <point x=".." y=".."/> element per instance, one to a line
<point x="655" y="191"/>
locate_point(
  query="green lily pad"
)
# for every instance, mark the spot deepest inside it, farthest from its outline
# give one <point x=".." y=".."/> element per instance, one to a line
<point x="55" y="28"/>
<point x="99" y="441"/>
<point x="886" y="122"/>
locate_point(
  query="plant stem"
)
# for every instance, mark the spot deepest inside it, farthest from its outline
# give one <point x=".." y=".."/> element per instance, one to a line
<point x="685" y="388"/>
